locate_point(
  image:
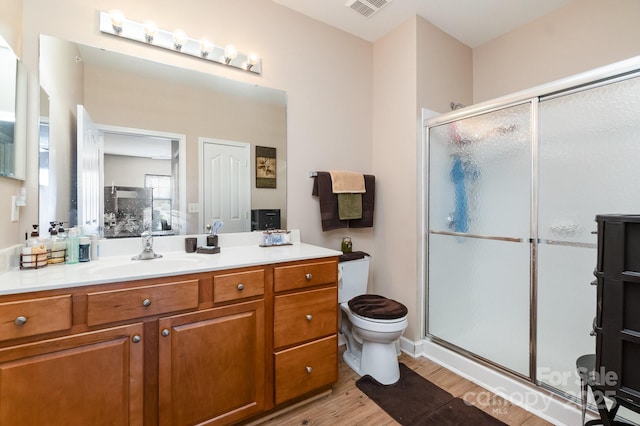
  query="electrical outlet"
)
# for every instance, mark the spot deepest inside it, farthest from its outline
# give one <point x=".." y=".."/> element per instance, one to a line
<point x="193" y="207"/>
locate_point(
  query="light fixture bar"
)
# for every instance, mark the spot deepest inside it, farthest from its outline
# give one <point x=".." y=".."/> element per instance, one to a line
<point x="203" y="49"/>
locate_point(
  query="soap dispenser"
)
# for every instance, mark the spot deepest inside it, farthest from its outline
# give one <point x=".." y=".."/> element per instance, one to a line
<point x="34" y="254"/>
<point x="57" y="246"/>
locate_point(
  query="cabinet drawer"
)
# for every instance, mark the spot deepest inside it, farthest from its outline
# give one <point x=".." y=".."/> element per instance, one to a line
<point x="305" y="368"/>
<point x="303" y="316"/>
<point x="34" y="316"/>
<point x="305" y="275"/>
<point x="239" y="285"/>
<point x="118" y="305"/>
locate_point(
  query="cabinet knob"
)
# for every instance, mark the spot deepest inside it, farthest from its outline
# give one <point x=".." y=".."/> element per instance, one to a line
<point x="165" y="332"/>
<point x="146" y="302"/>
<point x="308" y="369"/>
<point x="309" y="317"/>
<point x="240" y="287"/>
<point x="594" y="282"/>
<point x="136" y="338"/>
<point x="308" y="277"/>
<point x="20" y="320"/>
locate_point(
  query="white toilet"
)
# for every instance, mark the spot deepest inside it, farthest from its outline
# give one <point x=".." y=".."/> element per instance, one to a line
<point x="371" y="326"/>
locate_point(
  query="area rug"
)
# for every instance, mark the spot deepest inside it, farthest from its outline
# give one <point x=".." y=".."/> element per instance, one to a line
<point x="414" y="400"/>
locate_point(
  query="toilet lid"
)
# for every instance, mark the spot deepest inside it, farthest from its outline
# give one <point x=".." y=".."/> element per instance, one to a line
<point x="377" y="307"/>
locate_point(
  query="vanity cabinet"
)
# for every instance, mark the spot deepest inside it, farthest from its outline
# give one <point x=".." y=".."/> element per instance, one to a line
<point x="92" y="378"/>
<point x="212" y="365"/>
<point x="217" y="347"/>
<point x="305" y="326"/>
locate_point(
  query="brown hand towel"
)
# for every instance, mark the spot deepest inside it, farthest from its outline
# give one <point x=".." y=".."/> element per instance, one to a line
<point x="368" y="200"/>
<point x="328" y="202"/>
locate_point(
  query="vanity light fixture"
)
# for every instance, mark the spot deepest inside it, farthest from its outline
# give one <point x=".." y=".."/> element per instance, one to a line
<point x="115" y="23"/>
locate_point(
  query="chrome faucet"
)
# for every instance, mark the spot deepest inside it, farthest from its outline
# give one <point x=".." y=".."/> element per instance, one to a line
<point x="147" y="252"/>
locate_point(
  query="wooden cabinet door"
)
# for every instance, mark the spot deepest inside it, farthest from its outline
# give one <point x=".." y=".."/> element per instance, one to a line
<point x="93" y="378"/>
<point x="212" y="365"/>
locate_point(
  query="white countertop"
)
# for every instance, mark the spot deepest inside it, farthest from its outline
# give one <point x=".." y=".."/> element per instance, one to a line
<point x="117" y="268"/>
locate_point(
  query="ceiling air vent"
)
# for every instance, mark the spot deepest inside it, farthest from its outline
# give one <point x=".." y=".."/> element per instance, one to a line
<point x="367" y="8"/>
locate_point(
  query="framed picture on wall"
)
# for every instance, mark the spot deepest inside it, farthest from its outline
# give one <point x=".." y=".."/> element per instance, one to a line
<point x="265" y="167"/>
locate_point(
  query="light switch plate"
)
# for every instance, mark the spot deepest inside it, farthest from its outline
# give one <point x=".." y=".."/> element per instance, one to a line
<point x="193" y="207"/>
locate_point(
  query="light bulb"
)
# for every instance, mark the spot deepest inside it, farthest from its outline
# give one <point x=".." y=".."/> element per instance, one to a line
<point x="179" y="39"/>
<point x="150" y="31"/>
<point x="230" y="52"/>
<point x="252" y="59"/>
<point x="205" y="47"/>
<point x="117" y="20"/>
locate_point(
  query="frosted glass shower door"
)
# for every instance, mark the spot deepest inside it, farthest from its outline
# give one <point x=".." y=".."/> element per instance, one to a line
<point x="479" y="235"/>
<point x="589" y="148"/>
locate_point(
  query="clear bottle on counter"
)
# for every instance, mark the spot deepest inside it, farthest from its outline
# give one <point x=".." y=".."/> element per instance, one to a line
<point x="95" y="247"/>
<point x="73" y="246"/>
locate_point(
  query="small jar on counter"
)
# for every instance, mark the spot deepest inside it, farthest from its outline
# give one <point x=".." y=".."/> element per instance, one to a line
<point x="347" y="245"/>
<point x="84" y="249"/>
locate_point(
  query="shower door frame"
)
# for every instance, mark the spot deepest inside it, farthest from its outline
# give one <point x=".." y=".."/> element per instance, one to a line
<point x="604" y="75"/>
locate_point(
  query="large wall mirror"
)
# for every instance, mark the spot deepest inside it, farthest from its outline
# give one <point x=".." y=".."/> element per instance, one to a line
<point x="128" y="138"/>
<point x="13" y="110"/>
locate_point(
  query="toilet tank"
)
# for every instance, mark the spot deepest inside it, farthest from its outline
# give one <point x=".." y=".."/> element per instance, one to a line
<point x="353" y="276"/>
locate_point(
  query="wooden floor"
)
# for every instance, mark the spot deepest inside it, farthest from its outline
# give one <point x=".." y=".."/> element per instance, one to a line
<point x="347" y="405"/>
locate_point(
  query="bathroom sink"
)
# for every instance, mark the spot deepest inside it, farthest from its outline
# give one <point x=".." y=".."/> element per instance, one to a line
<point x="120" y="265"/>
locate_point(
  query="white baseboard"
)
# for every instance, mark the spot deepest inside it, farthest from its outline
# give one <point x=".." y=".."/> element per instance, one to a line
<point x="536" y="400"/>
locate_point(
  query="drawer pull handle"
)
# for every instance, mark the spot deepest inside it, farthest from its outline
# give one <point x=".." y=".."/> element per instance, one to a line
<point x="146" y="302"/>
<point x="20" y="320"/>
<point x="165" y="332"/>
<point x="309" y="317"/>
<point x="309" y="369"/>
<point x="308" y="277"/>
<point x="136" y="338"/>
<point x="240" y="287"/>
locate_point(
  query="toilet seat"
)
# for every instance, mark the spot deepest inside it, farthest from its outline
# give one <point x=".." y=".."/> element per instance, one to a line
<point x="376" y="307"/>
<point x="383" y="326"/>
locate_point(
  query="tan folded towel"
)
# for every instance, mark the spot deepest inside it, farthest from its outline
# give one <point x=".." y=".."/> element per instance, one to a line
<point x="347" y="182"/>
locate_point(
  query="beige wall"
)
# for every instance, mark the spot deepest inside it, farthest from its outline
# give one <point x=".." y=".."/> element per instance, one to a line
<point x="415" y="66"/>
<point x="11" y="24"/>
<point x="583" y="35"/>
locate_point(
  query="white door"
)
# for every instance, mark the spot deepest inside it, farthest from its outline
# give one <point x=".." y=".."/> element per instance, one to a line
<point x="89" y="174"/>
<point x="226" y="184"/>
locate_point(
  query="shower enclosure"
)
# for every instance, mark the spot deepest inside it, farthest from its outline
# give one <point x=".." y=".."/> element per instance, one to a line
<point x="513" y="188"/>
